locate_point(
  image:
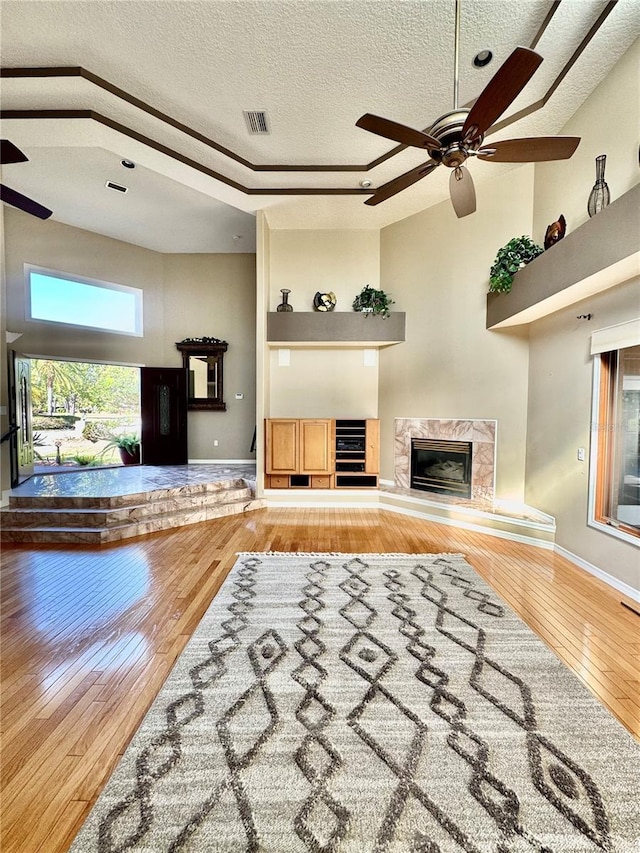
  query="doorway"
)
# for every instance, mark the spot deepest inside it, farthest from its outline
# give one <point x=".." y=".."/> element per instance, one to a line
<point x="80" y="413"/>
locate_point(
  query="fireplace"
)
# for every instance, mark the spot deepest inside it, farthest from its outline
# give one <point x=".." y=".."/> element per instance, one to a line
<point x="480" y="433"/>
<point x="441" y="466"/>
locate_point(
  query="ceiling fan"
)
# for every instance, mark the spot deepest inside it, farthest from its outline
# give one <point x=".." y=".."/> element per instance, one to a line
<point x="459" y="134"/>
<point x="10" y="153"/>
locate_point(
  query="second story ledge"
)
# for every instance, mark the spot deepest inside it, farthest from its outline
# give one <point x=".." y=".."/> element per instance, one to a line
<point x="600" y="253"/>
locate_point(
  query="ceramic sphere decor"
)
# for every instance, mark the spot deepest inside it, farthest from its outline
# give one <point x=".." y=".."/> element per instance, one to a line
<point x="324" y="301"/>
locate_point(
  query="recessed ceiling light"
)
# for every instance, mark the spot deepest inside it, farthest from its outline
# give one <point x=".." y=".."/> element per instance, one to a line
<point x="128" y="164"/>
<point x="237" y="237"/>
<point x="482" y="58"/>
<point x="365" y="184"/>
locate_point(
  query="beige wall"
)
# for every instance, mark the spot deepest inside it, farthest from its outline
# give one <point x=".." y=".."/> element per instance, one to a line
<point x="216" y="295"/>
<point x="184" y="296"/>
<point x="306" y="261"/>
<point x="322" y="382"/>
<point x="437" y="266"/>
<point x="607" y="123"/>
<point x="5" y="472"/>
<point x="560" y="367"/>
<point x="560" y="393"/>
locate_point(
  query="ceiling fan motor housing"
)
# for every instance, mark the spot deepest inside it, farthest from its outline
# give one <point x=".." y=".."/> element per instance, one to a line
<point x="448" y="131"/>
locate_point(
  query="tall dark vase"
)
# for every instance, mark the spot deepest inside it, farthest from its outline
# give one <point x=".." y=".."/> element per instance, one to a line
<point x="284" y="305"/>
<point x="599" y="197"/>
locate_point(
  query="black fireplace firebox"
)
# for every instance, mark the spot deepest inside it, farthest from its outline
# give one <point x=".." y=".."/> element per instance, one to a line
<point x="441" y="466"/>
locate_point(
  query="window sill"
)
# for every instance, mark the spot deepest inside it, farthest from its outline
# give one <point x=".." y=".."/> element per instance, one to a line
<point x="612" y="530"/>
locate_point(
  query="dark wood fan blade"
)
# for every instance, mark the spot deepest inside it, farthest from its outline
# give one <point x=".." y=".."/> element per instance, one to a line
<point x="402" y="182"/>
<point x="10" y="153"/>
<point x="20" y="201"/>
<point x="462" y="191"/>
<point x="508" y="81"/>
<point x="532" y="150"/>
<point x="398" y="132"/>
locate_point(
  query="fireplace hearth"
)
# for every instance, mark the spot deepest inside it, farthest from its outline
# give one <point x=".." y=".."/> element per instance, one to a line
<point x="441" y="466"/>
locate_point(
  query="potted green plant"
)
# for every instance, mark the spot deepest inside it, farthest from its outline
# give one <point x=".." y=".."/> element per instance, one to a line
<point x="128" y="445"/>
<point x="518" y="252"/>
<point x="372" y="301"/>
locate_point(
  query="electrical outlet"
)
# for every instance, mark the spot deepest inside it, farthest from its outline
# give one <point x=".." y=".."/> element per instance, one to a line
<point x="239" y="395"/>
<point x="581" y="454"/>
<point x="215" y="442"/>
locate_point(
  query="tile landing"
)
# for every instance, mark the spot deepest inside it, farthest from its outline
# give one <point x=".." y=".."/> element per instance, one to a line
<point x="107" y="505"/>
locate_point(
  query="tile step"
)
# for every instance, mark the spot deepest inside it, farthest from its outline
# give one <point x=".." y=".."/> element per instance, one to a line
<point x="97" y="517"/>
<point x="99" y="535"/>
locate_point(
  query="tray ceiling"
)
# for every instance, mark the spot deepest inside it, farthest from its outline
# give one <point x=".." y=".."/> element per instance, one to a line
<point x="165" y="84"/>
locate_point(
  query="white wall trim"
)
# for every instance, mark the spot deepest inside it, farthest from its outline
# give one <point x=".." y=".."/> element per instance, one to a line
<point x="4" y="499"/>
<point x="221" y="461"/>
<point x="621" y="586"/>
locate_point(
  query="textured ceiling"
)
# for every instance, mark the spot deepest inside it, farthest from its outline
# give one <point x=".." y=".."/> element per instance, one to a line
<point x="167" y="81"/>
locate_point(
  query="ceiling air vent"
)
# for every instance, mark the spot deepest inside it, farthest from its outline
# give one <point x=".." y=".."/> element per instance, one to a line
<point x="113" y="186"/>
<point x="257" y="121"/>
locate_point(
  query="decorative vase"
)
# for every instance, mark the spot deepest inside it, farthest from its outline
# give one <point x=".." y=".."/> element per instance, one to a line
<point x="284" y="305"/>
<point x="599" y="197"/>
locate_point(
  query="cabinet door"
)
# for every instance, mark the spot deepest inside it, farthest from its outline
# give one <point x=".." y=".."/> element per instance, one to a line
<point x="372" y="456"/>
<point x="281" y="447"/>
<point x="316" y="444"/>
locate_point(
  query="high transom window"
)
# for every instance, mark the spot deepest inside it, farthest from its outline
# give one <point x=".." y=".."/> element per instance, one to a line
<point x="55" y="297"/>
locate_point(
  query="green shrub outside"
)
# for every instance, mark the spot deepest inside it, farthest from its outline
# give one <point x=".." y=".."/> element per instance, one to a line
<point x="54" y="422"/>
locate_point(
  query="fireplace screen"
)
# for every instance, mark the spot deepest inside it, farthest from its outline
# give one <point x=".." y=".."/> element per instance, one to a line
<point x="441" y="466"/>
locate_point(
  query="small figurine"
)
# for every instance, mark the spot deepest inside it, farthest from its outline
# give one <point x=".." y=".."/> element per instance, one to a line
<point x="555" y="232"/>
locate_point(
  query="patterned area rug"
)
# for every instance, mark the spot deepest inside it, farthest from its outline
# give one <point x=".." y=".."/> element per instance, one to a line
<point x="356" y="703"/>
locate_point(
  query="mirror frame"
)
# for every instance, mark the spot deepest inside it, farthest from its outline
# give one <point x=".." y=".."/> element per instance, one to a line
<point x="205" y="347"/>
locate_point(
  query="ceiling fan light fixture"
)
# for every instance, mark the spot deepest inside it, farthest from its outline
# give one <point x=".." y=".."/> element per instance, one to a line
<point x="482" y="58"/>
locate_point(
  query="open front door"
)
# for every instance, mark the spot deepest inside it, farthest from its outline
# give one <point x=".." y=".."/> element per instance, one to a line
<point x="163" y="399"/>
<point x="21" y="447"/>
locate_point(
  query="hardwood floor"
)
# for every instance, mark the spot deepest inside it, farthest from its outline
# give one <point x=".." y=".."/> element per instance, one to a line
<point x="89" y="636"/>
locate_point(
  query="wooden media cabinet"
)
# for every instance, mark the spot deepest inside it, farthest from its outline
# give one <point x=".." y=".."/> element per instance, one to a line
<point x="322" y="453"/>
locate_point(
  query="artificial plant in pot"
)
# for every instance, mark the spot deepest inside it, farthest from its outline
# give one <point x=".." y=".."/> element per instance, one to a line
<point x="372" y="301"/>
<point x="517" y="253"/>
<point x="128" y="445"/>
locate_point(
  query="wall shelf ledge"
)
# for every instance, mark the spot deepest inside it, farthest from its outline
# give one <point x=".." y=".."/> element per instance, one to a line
<point x="599" y="254"/>
<point x="334" y="329"/>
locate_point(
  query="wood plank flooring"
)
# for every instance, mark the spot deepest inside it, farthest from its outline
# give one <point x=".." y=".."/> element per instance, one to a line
<point x="90" y="634"/>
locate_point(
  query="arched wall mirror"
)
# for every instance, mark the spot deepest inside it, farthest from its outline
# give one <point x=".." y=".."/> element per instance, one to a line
<point x="203" y="359"/>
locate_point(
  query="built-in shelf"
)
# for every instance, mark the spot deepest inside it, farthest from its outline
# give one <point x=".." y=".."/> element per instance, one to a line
<point x="601" y="253"/>
<point x="334" y="329"/>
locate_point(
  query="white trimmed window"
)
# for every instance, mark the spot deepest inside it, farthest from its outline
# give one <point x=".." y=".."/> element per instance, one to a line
<point x="55" y="297"/>
<point x="615" y="452"/>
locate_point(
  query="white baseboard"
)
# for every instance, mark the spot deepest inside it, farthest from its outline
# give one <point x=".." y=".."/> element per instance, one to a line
<point x="621" y="586"/>
<point x="221" y="461"/>
<point x="467" y="525"/>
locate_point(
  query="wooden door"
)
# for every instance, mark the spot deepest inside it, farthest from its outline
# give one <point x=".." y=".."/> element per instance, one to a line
<point x="372" y="447"/>
<point x="163" y="400"/>
<point x="281" y="446"/>
<point x="316" y="446"/>
<point x="20" y="415"/>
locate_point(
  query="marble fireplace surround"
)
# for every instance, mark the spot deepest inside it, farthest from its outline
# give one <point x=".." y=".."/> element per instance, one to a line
<point x="481" y="434"/>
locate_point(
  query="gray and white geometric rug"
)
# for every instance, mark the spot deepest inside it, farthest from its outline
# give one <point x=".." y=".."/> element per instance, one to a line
<point x="343" y="703"/>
